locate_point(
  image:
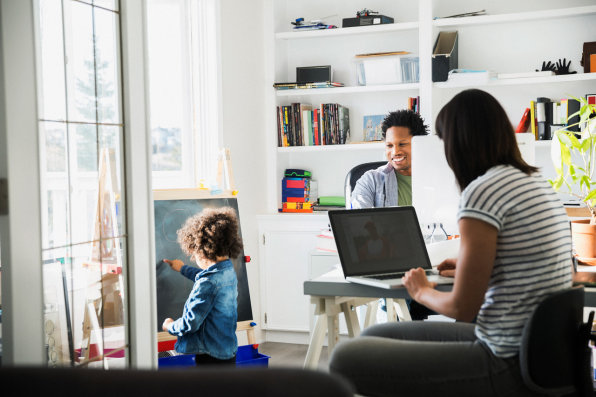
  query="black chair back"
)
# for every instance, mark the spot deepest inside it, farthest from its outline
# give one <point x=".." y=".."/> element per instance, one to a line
<point x="354" y="174"/>
<point x="554" y="352"/>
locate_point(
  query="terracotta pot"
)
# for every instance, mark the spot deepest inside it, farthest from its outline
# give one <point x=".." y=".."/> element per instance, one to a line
<point x="584" y="238"/>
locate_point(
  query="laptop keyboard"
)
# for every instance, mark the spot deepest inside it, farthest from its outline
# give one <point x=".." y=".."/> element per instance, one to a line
<point x="396" y="275"/>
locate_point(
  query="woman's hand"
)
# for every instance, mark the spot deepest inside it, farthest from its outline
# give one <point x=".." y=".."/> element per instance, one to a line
<point x="447" y="267"/>
<point x="175" y="264"/>
<point x="415" y="281"/>
<point x="166" y="324"/>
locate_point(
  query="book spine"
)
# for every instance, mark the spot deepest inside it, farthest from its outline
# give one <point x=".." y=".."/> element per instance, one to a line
<point x="533" y="119"/>
<point x="316" y="126"/>
<point x="523" y="123"/>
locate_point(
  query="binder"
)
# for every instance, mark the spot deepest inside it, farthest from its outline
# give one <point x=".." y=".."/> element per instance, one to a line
<point x="533" y="119"/>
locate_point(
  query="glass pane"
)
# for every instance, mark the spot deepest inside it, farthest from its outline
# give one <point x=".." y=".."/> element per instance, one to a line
<point x="58" y="314"/>
<point x="52" y="102"/>
<point x="106" y="65"/>
<point x="165" y="24"/>
<point x="81" y="62"/>
<point x="83" y="180"/>
<point x="54" y="184"/>
<point x="109" y="4"/>
<point x="111" y="175"/>
<point x="98" y="291"/>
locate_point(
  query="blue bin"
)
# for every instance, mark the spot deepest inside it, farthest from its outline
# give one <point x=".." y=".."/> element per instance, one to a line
<point x="246" y="356"/>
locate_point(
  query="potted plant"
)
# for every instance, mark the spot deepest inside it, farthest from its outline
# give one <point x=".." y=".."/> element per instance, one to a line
<point x="575" y="162"/>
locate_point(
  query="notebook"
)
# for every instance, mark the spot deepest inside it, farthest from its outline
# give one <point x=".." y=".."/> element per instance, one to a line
<point x="376" y="246"/>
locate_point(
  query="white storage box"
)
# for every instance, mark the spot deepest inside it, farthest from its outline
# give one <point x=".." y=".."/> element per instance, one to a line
<point x="394" y="69"/>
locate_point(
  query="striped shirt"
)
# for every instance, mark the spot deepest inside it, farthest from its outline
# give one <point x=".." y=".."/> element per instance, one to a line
<point x="533" y="257"/>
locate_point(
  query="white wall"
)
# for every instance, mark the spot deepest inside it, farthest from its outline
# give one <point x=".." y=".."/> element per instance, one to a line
<point x="243" y="90"/>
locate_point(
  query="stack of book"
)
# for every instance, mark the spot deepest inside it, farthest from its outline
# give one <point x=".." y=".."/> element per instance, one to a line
<point x="300" y="124"/>
<point x="545" y="116"/>
<point x="295" y="193"/>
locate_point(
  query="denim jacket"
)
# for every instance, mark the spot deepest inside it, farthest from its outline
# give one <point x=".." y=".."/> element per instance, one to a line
<point x="208" y="322"/>
<point x="376" y="188"/>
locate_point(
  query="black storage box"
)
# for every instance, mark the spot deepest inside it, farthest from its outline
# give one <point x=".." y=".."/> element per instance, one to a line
<point x="365" y="21"/>
<point x="313" y="74"/>
<point x="444" y="55"/>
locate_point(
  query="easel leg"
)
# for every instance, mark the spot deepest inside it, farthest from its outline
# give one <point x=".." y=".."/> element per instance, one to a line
<point x="250" y="335"/>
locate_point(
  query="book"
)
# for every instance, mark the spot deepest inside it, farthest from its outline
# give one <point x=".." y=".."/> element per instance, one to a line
<point x="525" y="74"/>
<point x="533" y="128"/>
<point x="305" y="124"/>
<point x="344" y="124"/>
<point x="524" y="123"/>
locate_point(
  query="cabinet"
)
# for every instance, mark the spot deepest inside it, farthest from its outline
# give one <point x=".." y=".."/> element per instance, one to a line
<point x="512" y="37"/>
<point x="284" y="248"/>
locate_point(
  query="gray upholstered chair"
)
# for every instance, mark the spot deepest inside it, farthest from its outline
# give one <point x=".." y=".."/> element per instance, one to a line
<point x="554" y="353"/>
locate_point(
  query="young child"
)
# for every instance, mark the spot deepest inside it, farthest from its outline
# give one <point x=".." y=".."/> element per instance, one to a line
<point x="208" y="323"/>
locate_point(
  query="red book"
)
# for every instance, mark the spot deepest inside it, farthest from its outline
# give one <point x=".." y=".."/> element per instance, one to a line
<point x="524" y="123"/>
<point x="315" y="120"/>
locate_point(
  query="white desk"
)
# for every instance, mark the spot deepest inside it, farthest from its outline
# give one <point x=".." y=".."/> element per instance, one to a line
<point x="332" y="294"/>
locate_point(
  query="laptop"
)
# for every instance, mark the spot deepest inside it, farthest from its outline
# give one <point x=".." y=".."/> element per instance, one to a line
<point x="377" y="246"/>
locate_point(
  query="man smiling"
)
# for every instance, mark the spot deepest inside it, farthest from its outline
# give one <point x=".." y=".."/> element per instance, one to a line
<point x="391" y="184"/>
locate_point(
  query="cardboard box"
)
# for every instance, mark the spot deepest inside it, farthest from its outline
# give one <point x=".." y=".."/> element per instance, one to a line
<point x="444" y="55"/>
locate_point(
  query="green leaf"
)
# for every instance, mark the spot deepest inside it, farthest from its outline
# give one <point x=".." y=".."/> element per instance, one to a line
<point x="585" y="181"/>
<point x="590" y="195"/>
<point x="563" y="136"/>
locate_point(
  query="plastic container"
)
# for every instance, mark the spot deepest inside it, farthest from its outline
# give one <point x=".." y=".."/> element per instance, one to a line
<point x="246" y="356"/>
<point x="394" y="69"/>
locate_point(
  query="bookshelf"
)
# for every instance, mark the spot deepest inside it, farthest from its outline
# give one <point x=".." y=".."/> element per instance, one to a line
<point x="513" y="37"/>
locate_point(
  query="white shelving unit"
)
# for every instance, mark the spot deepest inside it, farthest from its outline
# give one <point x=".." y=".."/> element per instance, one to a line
<point x="512" y="37"/>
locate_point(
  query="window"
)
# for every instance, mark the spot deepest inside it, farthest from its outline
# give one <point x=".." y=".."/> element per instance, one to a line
<point x="183" y="91"/>
<point x="81" y="132"/>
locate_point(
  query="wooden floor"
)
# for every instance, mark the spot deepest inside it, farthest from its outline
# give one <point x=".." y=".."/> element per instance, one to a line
<point x="289" y="355"/>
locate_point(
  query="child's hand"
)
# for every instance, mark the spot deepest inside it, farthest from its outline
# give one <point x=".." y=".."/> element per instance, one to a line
<point x="175" y="264"/>
<point x="166" y="324"/>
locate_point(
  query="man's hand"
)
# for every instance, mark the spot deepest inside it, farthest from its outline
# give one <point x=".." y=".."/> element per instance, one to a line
<point x="415" y="281"/>
<point x="175" y="264"/>
<point x="447" y="267"/>
<point x="166" y="324"/>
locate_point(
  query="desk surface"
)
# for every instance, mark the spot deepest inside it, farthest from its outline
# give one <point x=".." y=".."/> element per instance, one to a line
<point x="334" y="284"/>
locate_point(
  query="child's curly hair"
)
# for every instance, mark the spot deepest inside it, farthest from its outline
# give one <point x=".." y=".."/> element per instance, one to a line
<point x="211" y="233"/>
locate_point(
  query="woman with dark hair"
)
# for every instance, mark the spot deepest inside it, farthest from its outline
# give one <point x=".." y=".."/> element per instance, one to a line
<point x="515" y="250"/>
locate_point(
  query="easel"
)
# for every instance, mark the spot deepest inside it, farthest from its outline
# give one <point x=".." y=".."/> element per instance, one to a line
<point x="225" y="188"/>
<point x="103" y="295"/>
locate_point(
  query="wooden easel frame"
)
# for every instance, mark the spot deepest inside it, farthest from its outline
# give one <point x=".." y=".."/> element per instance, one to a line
<point x="225" y="181"/>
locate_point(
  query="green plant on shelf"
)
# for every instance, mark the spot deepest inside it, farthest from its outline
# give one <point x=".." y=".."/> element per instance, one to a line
<point x="575" y="159"/>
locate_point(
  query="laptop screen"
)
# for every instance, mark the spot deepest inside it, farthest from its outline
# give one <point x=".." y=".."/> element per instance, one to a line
<point x="378" y="240"/>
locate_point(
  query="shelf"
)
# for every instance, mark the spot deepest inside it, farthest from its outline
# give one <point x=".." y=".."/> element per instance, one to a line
<point x="516" y="17"/>
<point x="376" y="146"/>
<point x="385" y="28"/>
<point x="521" y="81"/>
<point x="347" y="90"/>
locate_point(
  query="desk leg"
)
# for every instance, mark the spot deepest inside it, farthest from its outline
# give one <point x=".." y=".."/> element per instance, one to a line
<point x="351" y="319"/>
<point x="332" y="332"/>
<point x="402" y="309"/>
<point x="315" y="344"/>
<point x="371" y="313"/>
<point x="391" y="313"/>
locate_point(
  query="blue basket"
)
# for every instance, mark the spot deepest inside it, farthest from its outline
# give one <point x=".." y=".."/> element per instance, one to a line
<point x="246" y="356"/>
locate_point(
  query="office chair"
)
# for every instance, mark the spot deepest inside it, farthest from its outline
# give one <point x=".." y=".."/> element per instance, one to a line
<point x="554" y="352"/>
<point x="354" y="174"/>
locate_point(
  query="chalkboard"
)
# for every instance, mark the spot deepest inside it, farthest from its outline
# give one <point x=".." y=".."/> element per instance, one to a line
<point x="172" y="287"/>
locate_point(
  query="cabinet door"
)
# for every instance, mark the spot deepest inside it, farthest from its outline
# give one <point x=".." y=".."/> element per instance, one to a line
<point x="286" y="268"/>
